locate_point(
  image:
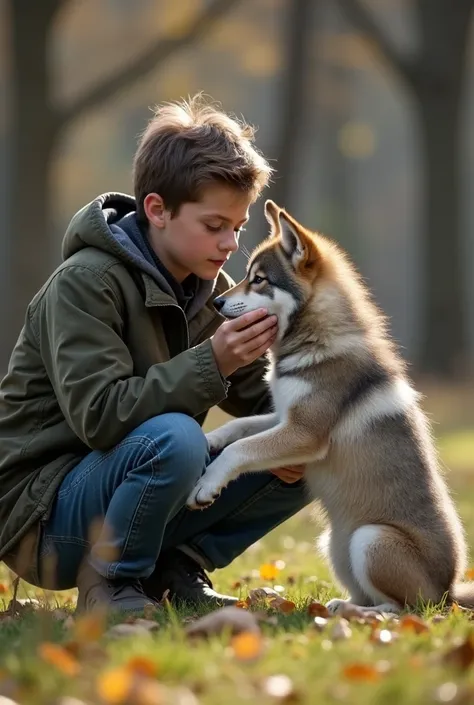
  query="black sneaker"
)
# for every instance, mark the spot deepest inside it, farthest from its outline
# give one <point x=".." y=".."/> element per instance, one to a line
<point x="186" y="581"/>
<point x="97" y="592"/>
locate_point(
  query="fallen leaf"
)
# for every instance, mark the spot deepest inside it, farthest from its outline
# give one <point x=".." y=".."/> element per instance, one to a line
<point x="59" y="657"/>
<point x="89" y="627"/>
<point x="279" y="603"/>
<point x="316" y="609"/>
<point x="142" y="666"/>
<point x="247" y="645"/>
<point x="278" y="686"/>
<point x="242" y="604"/>
<point x="410" y="622"/>
<point x="364" y="672"/>
<point x="232" y="619"/>
<point x="462" y="655"/>
<point x="261" y="594"/>
<point x="268" y="571"/>
<point x="114" y="685"/>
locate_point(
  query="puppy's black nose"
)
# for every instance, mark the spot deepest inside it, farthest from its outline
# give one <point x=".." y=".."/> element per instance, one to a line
<point x="219" y="302"/>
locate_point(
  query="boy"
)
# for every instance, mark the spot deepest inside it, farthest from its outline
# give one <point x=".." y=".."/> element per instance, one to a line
<point x="120" y="358"/>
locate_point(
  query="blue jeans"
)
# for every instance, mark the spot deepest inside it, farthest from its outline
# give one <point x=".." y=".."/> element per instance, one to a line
<point x="124" y="506"/>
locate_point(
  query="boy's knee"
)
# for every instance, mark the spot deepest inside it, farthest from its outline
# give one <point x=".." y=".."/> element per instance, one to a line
<point x="180" y="444"/>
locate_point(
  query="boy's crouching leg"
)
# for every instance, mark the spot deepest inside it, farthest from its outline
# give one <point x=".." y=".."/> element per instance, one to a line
<point x="107" y="525"/>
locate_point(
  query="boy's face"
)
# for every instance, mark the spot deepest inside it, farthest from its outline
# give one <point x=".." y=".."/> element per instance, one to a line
<point x="203" y="235"/>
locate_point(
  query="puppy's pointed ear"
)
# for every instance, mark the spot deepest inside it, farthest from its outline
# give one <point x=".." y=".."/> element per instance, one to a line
<point x="272" y="212"/>
<point x="297" y="243"/>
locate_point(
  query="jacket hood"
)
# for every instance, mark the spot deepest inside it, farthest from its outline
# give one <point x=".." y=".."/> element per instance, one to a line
<point x="105" y="224"/>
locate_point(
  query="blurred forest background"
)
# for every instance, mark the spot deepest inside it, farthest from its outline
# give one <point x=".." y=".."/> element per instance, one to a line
<point x="365" y="107"/>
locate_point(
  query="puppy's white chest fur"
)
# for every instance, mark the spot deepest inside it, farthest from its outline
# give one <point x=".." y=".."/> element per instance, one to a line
<point x="287" y="391"/>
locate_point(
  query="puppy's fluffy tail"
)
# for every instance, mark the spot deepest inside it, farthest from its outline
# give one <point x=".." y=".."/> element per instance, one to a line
<point x="463" y="594"/>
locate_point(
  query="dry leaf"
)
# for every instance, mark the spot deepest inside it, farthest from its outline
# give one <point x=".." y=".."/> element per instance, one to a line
<point x="59" y="657"/>
<point x="232" y="619"/>
<point x="279" y="603"/>
<point x="462" y="655"/>
<point x="261" y="594"/>
<point x="242" y="604"/>
<point x="114" y="685"/>
<point x="142" y="666"/>
<point x="268" y="571"/>
<point x="278" y="686"/>
<point x="410" y="622"/>
<point x="89" y="627"/>
<point x="316" y="609"/>
<point x="364" y="672"/>
<point x="247" y="645"/>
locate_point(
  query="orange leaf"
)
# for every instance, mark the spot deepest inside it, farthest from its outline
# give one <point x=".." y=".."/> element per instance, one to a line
<point x="114" y="685"/>
<point x="59" y="657"/>
<point x="247" y="646"/>
<point x="142" y="666"/>
<point x="316" y="609"/>
<point x="243" y="604"/>
<point x="268" y="571"/>
<point x="3" y="588"/>
<point x="361" y="672"/>
<point x="282" y="605"/>
<point x="470" y="574"/>
<point x="89" y="628"/>
<point x="410" y="622"/>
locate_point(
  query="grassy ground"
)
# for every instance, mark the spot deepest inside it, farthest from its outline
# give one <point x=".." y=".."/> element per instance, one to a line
<point x="48" y="658"/>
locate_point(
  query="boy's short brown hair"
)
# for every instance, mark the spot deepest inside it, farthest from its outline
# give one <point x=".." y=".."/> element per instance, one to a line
<point x="189" y="144"/>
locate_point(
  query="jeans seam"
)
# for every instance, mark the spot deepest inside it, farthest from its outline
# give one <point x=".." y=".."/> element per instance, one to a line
<point x="112" y="569"/>
<point x="140" y="440"/>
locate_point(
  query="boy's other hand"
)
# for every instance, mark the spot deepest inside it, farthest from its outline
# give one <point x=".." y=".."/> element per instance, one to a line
<point x="242" y="340"/>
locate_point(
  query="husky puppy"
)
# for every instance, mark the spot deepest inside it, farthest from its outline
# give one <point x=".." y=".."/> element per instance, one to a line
<point x="343" y="407"/>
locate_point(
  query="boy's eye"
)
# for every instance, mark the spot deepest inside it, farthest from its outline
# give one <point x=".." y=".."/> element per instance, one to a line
<point x="214" y="228"/>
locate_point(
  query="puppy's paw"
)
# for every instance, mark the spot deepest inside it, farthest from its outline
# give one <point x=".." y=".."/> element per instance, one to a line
<point x="215" y="441"/>
<point x="335" y="606"/>
<point x="202" y="496"/>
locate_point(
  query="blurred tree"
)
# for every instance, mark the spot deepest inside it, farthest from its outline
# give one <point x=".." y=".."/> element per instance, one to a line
<point x="435" y="75"/>
<point x="38" y="123"/>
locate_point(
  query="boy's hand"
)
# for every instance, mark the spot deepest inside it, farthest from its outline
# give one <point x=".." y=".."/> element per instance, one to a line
<point x="242" y="340"/>
<point x="290" y="474"/>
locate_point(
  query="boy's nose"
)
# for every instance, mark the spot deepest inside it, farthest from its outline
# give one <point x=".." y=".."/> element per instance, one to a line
<point x="219" y="302"/>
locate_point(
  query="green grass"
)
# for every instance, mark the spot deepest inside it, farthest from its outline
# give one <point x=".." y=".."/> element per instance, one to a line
<point x="412" y="668"/>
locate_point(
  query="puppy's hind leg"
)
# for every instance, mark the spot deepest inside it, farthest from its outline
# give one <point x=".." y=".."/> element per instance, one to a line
<point x="389" y="569"/>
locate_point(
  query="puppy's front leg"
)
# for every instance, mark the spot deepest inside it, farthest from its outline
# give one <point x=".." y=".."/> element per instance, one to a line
<point x="281" y="445"/>
<point x="236" y="429"/>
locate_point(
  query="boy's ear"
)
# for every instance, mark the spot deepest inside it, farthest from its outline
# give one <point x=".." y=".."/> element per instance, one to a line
<point x="154" y="208"/>
<point x="297" y="243"/>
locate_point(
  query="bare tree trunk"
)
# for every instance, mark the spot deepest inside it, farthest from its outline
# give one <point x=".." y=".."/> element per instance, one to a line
<point x="32" y="142"/>
<point x="444" y="342"/>
<point x="37" y="125"/>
